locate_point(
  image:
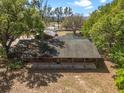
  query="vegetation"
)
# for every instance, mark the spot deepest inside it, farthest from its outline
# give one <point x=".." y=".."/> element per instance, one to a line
<point x="61" y="12"/>
<point x="17" y="17"/>
<point x="50" y="14"/>
<point x="73" y="23"/>
<point x="117" y="55"/>
<point x="120" y="79"/>
<point x="17" y="64"/>
<point x="105" y="27"/>
<point x="2" y="53"/>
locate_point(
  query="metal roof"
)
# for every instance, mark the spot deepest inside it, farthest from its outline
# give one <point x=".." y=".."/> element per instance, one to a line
<point x="50" y="33"/>
<point x="78" y="48"/>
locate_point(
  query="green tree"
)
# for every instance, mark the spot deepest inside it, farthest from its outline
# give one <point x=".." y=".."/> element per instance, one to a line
<point x="59" y="14"/>
<point x="73" y="23"/>
<point x="67" y="11"/>
<point x="17" y="17"/>
<point x="109" y="30"/>
<point x="106" y="28"/>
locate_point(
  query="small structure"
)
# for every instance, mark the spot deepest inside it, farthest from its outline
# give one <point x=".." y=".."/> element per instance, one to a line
<point x="48" y="34"/>
<point x="68" y="53"/>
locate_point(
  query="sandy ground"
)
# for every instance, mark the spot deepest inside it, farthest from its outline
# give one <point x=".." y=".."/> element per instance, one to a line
<point x="38" y="81"/>
<point x="62" y="33"/>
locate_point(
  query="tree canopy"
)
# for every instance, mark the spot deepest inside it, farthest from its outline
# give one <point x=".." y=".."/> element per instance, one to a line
<point x="73" y="22"/>
<point x="105" y="27"/>
<point x="106" y="24"/>
<point x="17" y="17"/>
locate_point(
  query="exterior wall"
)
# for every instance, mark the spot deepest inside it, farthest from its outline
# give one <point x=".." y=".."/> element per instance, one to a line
<point x="50" y="59"/>
<point x="66" y="63"/>
<point x="63" y="65"/>
<point x="52" y="65"/>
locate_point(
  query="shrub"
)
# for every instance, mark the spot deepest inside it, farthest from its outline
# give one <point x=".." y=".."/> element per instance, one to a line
<point x="121" y="91"/>
<point x="117" y="55"/>
<point x="120" y="79"/>
<point x="17" y="64"/>
<point x="2" y="53"/>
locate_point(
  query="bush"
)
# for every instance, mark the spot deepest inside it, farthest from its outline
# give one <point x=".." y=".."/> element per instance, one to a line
<point x="121" y="91"/>
<point x="117" y="55"/>
<point x="120" y="79"/>
<point x="17" y="64"/>
<point x="2" y="53"/>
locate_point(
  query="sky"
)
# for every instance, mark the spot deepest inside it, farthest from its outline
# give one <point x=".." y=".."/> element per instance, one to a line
<point x="84" y="7"/>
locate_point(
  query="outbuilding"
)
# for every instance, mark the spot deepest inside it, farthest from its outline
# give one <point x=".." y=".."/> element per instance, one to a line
<point x="74" y="53"/>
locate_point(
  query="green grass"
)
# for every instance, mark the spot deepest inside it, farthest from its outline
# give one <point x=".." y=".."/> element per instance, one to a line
<point x="121" y="91"/>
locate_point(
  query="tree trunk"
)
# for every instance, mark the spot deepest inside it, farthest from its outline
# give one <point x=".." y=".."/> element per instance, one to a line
<point x="7" y="51"/>
<point x="74" y="31"/>
<point x="58" y="25"/>
<point x="58" y="22"/>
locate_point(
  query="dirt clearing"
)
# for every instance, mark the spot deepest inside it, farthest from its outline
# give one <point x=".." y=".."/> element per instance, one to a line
<point x="28" y="81"/>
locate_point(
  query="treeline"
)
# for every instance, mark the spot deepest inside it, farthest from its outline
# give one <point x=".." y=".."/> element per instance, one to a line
<point x="64" y="17"/>
<point x="73" y="22"/>
<point x="105" y="27"/>
<point x="56" y="14"/>
<point x="50" y="14"/>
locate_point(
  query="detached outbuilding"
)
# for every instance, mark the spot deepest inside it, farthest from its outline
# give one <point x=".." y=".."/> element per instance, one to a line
<point x="74" y="53"/>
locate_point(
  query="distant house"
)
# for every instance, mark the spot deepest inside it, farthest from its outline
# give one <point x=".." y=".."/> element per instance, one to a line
<point x="50" y="32"/>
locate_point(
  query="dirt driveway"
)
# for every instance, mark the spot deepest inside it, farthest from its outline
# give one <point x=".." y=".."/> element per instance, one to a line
<point x="28" y="81"/>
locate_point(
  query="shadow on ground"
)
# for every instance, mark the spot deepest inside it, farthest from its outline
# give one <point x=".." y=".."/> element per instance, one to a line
<point x="6" y="82"/>
<point x="37" y="78"/>
<point x="32" y="79"/>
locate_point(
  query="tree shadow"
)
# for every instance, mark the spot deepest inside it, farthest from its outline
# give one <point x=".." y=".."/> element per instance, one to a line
<point x="35" y="48"/>
<point x="6" y="82"/>
<point x="36" y="78"/>
<point x="32" y="79"/>
<point x="103" y="68"/>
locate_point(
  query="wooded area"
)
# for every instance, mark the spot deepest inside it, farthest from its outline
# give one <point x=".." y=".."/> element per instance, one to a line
<point x="105" y="27"/>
